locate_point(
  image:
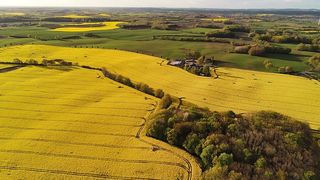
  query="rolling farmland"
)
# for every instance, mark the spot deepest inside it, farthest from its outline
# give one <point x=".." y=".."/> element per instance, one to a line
<point x="238" y="90"/>
<point x="95" y="90"/>
<point x="73" y="123"/>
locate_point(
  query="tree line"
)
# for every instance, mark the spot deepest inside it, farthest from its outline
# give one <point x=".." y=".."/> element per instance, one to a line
<point x="44" y="62"/>
<point x="138" y="86"/>
<point x="261" y="49"/>
<point x="281" y="37"/>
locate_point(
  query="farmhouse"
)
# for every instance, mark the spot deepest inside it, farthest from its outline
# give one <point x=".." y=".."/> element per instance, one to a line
<point x="199" y="67"/>
<point x="178" y="63"/>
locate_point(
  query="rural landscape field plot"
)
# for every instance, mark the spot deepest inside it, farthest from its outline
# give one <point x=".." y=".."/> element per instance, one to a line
<point x="238" y="90"/>
<point x="72" y="123"/>
<point x="84" y="27"/>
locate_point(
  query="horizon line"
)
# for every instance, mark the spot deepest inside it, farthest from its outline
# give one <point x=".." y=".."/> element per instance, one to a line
<point x="152" y="7"/>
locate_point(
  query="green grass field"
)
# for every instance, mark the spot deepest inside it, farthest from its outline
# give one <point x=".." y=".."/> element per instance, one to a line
<point x="142" y="41"/>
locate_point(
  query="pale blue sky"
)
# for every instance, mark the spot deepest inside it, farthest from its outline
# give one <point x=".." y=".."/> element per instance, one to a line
<point x="170" y="3"/>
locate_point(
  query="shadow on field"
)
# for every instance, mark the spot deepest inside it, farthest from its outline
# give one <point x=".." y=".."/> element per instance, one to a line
<point x="229" y="75"/>
<point x="288" y="57"/>
<point x="8" y="69"/>
<point x="223" y="63"/>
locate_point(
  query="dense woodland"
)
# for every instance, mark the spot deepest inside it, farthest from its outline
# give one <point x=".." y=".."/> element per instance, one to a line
<point x="262" y="145"/>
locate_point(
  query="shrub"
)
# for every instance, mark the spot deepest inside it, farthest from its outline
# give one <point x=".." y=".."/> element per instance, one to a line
<point x="165" y="102"/>
<point x="158" y="129"/>
<point x="310" y="175"/>
<point x="228" y="22"/>
<point x="225" y="159"/>
<point x="277" y="49"/>
<point x="256" y="51"/>
<point x="17" y="61"/>
<point x="260" y="163"/>
<point x="278" y="39"/>
<point x="217" y="172"/>
<point x="127" y="81"/>
<point x="178" y="134"/>
<point x="252" y="34"/>
<point x="309" y="47"/>
<point x="262" y="37"/>
<point x="32" y="62"/>
<point x="316" y="40"/>
<point x="282" y="69"/>
<point x="206" y="155"/>
<point x="291" y="39"/>
<point x="195" y="70"/>
<point x="191" y="143"/>
<point x="221" y="34"/>
<point x="206" y="71"/>
<point x="288" y="69"/>
<point x="314" y="63"/>
<point x="45" y="62"/>
<point x="248" y="156"/>
<point x="172" y="137"/>
<point x="159" y="93"/>
<point x="242" y="49"/>
<point x="144" y="88"/>
<point x="285" y="69"/>
<point x="230" y="114"/>
<point x="238" y="28"/>
<point x="108" y="74"/>
<point x="201" y="60"/>
<point x="118" y="78"/>
<point x="267" y="64"/>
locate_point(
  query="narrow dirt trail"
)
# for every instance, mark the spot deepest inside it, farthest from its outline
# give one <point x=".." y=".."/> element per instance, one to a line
<point x="141" y="135"/>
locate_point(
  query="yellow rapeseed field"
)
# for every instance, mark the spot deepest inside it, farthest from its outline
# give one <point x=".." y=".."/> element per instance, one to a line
<point x="75" y="124"/>
<point x="310" y="32"/>
<point x="75" y="16"/>
<point x="265" y="15"/>
<point x="238" y="90"/>
<point x="13" y="14"/>
<point x="106" y="26"/>
<point x="104" y="14"/>
<point x="219" y="19"/>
